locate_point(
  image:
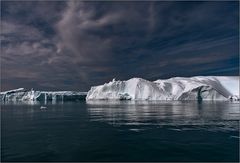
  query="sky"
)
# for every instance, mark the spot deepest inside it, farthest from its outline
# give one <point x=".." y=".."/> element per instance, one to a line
<point x="73" y="45"/>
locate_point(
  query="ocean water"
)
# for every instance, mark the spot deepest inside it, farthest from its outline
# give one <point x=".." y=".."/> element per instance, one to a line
<point x="120" y="131"/>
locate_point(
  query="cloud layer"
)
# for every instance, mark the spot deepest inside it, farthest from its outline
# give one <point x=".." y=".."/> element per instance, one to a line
<point x="72" y="45"/>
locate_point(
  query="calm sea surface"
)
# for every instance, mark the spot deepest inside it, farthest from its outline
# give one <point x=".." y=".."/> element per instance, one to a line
<point x="120" y="131"/>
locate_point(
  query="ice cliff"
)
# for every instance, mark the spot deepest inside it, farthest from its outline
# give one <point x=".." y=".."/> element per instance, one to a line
<point x="25" y="95"/>
<point x="177" y="88"/>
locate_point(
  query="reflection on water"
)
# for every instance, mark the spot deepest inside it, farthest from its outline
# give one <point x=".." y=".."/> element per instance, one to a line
<point x="221" y="115"/>
<point x="120" y="131"/>
<point x="29" y="102"/>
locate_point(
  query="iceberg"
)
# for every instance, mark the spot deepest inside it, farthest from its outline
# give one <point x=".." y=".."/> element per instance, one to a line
<point x="25" y="95"/>
<point x="177" y="88"/>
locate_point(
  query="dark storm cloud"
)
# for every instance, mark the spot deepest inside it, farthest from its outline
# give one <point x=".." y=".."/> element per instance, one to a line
<point x="73" y="45"/>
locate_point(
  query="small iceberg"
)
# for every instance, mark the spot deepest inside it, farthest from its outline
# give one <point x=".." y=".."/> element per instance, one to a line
<point x="43" y="107"/>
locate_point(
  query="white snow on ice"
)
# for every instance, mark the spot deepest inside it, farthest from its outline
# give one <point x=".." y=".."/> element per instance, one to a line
<point x="177" y="88"/>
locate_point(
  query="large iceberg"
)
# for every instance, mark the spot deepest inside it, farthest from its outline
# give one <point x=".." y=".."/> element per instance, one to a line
<point x="25" y="95"/>
<point x="177" y="88"/>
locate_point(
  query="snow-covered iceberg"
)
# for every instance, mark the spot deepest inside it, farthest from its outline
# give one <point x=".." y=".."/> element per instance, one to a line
<point x="24" y="95"/>
<point x="177" y="88"/>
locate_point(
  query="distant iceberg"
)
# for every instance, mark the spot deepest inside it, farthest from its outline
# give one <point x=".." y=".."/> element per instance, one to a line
<point x="25" y="95"/>
<point x="177" y="88"/>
